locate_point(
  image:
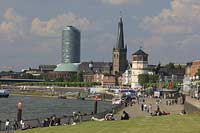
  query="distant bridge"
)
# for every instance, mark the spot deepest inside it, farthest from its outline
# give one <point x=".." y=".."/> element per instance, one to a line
<point x="20" y="80"/>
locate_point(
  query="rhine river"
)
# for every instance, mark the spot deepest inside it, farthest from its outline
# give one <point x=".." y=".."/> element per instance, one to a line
<point x="39" y="107"/>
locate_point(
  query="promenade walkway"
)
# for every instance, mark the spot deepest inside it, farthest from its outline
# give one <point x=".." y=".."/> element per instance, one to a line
<point x="135" y="110"/>
<point x="193" y="101"/>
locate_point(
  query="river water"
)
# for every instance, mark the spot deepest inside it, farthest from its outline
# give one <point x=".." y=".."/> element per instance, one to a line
<point x="38" y="107"/>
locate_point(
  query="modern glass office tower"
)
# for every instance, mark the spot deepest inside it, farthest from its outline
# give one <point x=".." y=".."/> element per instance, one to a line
<point x="71" y="39"/>
<point x="71" y="45"/>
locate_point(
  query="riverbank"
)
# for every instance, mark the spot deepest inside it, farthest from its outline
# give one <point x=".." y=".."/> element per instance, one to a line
<point x="160" y="124"/>
<point x="55" y="96"/>
<point x="32" y="95"/>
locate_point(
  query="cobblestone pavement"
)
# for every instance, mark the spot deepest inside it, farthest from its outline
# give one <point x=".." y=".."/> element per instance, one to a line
<point x="135" y="110"/>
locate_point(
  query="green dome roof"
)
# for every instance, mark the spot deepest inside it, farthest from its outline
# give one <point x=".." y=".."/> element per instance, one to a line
<point x="66" y="67"/>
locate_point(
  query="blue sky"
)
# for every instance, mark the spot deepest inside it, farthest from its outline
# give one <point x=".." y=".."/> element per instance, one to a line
<point x="30" y="30"/>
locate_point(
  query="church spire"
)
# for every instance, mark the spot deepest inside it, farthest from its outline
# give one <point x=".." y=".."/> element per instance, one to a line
<point x="120" y="51"/>
<point x="120" y="34"/>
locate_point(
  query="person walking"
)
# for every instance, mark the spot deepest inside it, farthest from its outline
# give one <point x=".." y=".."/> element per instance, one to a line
<point x="145" y="107"/>
<point x="142" y="107"/>
<point x="150" y="108"/>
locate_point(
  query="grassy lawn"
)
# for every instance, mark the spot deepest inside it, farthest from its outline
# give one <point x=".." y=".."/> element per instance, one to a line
<point x="164" y="124"/>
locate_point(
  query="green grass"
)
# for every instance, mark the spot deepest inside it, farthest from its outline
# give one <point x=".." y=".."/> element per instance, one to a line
<point x="165" y="124"/>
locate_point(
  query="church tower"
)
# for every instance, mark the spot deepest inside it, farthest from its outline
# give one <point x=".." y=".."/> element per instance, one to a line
<point x="119" y="55"/>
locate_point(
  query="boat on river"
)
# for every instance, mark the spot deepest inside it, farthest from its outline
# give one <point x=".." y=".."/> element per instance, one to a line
<point x="4" y="93"/>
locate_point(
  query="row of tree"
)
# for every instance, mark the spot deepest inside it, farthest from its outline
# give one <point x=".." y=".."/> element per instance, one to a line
<point x="61" y="84"/>
<point x="147" y="80"/>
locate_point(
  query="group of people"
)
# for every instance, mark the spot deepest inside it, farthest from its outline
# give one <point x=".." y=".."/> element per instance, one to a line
<point x="11" y="126"/>
<point x="149" y="109"/>
<point x="158" y="112"/>
<point x="52" y="121"/>
<point x="146" y="108"/>
<point x="171" y="102"/>
<point x="14" y="125"/>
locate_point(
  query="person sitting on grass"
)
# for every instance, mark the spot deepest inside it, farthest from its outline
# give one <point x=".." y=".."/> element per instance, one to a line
<point x="125" y="116"/>
<point x="24" y="126"/>
<point x="109" y="117"/>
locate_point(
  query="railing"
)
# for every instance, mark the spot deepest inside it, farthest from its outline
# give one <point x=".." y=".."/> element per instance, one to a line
<point x="64" y="120"/>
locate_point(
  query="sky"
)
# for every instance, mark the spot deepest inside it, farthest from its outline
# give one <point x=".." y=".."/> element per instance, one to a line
<point x="30" y="30"/>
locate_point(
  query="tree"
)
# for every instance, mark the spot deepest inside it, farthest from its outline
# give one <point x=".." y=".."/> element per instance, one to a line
<point x="143" y="79"/>
<point x="60" y="79"/>
<point x="170" y="66"/>
<point x="27" y="76"/>
<point x="153" y="78"/>
<point x="198" y="72"/>
<point x="157" y="69"/>
<point x="80" y="76"/>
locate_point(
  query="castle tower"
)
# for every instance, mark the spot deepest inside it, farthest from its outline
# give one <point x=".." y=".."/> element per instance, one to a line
<point x="139" y="66"/>
<point x="119" y="55"/>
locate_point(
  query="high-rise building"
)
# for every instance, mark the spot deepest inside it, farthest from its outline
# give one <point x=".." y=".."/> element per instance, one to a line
<point x="71" y="37"/>
<point x="71" y="45"/>
<point x="120" y="51"/>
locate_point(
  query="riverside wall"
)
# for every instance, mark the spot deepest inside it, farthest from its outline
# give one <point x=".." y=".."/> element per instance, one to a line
<point x="191" y="105"/>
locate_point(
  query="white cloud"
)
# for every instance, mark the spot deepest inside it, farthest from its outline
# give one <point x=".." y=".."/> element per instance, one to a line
<point x="121" y="2"/>
<point x="13" y="27"/>
<point x="182" y="18"/>
<point x="175" y="30"/>
<point x="55" y="25"/>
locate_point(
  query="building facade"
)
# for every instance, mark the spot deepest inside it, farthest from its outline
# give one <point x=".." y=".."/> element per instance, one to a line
<point x="139" y="66"/>
<point x="119" y="55"/>
<point x="106" y="80"/>
<point x="71" y="45"/>
<point x="192" y="68"/>
<point x="64" y="75"/>
<point x="95" y="67"/>
<point x="126" y="77"/>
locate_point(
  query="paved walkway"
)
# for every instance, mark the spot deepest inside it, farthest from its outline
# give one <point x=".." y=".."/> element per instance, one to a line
<point x="135" y="110"/>
<point x="193" y="101"/>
